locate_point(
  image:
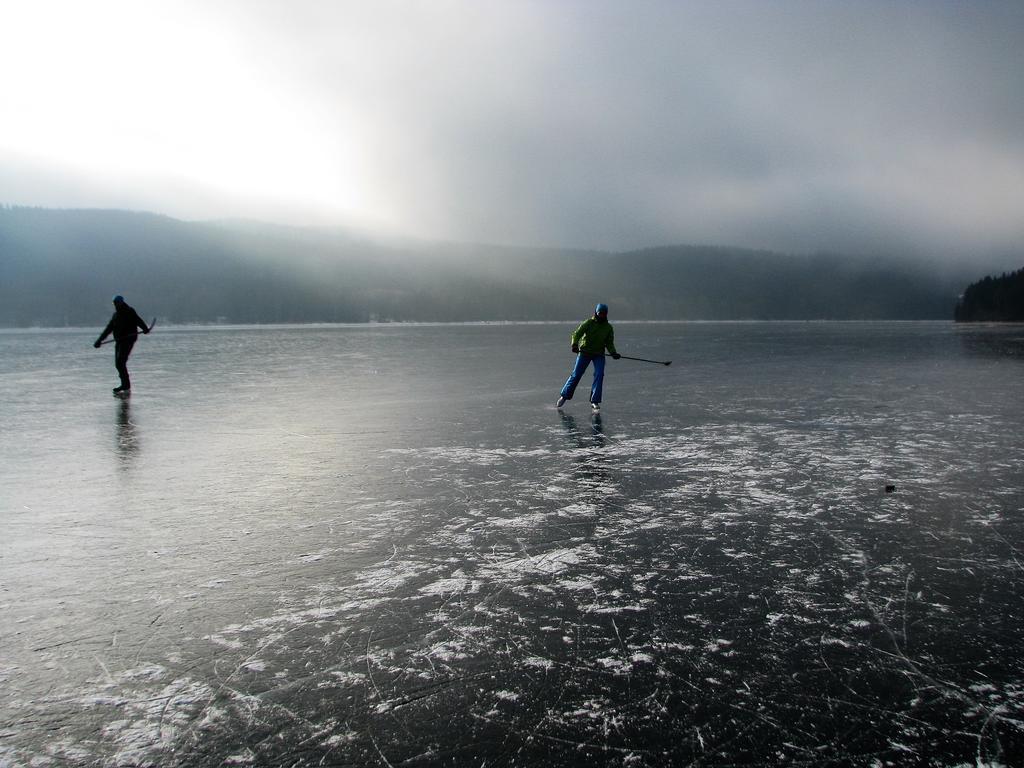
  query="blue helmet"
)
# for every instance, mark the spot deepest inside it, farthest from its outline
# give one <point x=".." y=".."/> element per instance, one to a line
<point x="118" y="299"/>
<point x="600" y="308"/>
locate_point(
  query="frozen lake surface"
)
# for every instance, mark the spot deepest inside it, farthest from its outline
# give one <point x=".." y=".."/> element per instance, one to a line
<point x="383" y="545"/>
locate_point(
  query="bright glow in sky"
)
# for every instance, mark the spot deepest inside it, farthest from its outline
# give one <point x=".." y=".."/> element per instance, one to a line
<point x="128" y="91"/>
<point x="795" y="125"/>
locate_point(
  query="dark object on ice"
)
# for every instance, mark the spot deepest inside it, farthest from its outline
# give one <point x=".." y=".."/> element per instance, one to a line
<point x="125" y="324"/>
<point x="890" y="489"/>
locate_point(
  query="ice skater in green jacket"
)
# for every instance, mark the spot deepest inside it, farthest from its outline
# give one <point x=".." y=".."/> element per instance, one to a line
<point x="589" y="342"/>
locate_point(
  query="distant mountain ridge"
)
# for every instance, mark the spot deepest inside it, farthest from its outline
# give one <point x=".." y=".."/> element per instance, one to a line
<point x="59" y="268"/>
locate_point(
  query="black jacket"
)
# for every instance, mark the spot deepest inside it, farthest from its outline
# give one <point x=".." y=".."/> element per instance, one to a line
<point x="124" y="323"/>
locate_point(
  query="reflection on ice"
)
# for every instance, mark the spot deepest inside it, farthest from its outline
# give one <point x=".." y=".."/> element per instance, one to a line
<point x="361" y="576"/>
<point x="127" y="432"/>
<point x="994" y="341"/>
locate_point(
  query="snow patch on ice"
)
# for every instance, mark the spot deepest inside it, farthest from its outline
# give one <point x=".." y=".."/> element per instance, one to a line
<point x="618" y="666"/>
<point x="548" y="563"/>
<point x="538" y="662"/>
<point x="451" y="586"/>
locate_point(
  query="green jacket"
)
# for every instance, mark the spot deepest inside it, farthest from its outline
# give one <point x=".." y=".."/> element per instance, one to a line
<point x="593" y="337"/>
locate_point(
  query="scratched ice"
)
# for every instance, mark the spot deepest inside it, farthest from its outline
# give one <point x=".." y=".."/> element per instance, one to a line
<point x="384" y="546"/>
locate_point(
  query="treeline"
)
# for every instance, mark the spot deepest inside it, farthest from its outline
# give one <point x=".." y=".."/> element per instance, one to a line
<point x="60" y="267"/>
<point x="993" y="299"/>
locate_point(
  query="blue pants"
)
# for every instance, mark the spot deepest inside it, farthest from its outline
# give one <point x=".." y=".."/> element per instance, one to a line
<point x="582" y="361"/>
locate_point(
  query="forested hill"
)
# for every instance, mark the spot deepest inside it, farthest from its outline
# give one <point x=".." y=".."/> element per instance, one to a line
<point x="993" y="299"/>
<point x="60" y="267"/>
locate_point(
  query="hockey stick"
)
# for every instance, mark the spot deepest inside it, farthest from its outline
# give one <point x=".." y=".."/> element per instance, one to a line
<point x="129" y="335"/>
<point x="645" y="360"/>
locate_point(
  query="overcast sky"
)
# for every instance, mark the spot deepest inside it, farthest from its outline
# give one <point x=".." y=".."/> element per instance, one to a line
<point x="801" y="126"/>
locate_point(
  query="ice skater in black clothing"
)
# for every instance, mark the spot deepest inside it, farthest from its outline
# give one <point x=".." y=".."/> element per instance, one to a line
<point x="125" y="325"/>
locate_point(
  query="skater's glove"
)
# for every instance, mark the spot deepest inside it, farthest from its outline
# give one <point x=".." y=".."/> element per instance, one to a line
<point x="146" y="330"/>
<point x="97" y="344"/>
<point x="575" y="349"/>
<point x="616" y="356"/>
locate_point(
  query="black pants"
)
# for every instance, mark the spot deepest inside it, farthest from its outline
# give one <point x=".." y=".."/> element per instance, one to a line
<point x="123" y="348"/>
